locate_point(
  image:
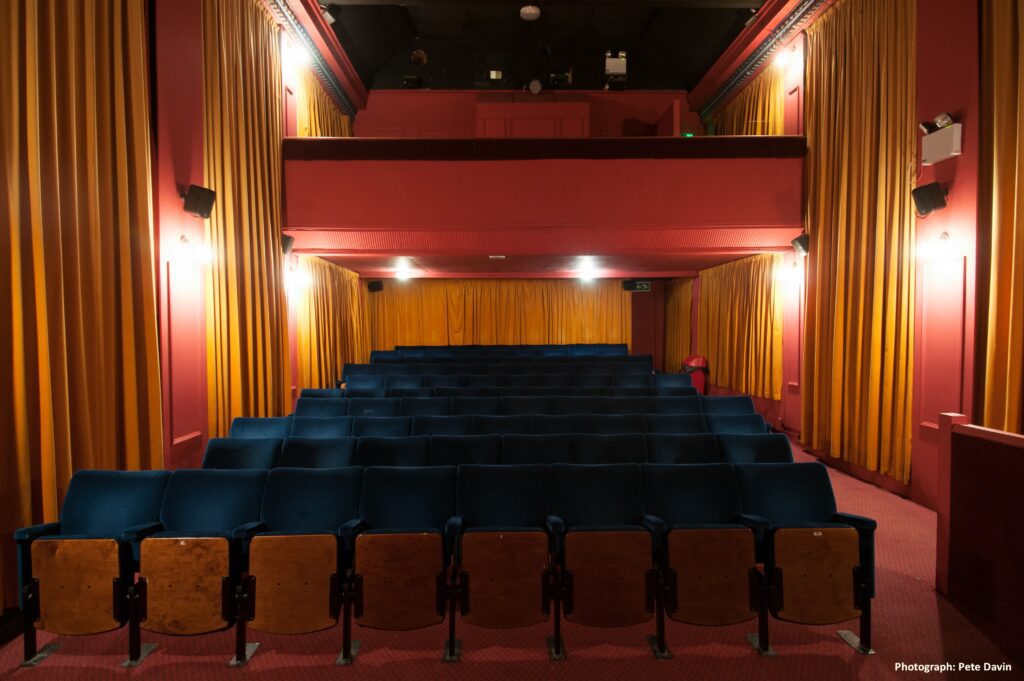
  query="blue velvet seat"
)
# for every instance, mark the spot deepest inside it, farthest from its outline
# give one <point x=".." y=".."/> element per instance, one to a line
<point x="499" y="425"/>
<point x="706" y="550"/>
<point x="403" y="540"/>
<point x="244" y="426"/>
<point x="238" y="453"/>
<point x="373" y="406"/>
<point x="357" y="370"/>
<point x="410" y="392"/>
<point x="403" y="381"/>
<point x="454" y="450"/>
<point x="628" y="405"/>
<point x="382" y="426"/>
<point x="366" y="385"/>
<point x="68" y="570"/>
<point x="424" y="406"/>
<point x="690" y="404"/>
<point x="473" y="406"/>
<point x="611" y="424"/>
<point x="524" y="449"/>
<point x="683" y="448"/>
<point x="681" y="424"/>
<point x="617" y="448"/>
<point x="738" y="424"/>
<point x="322" y="392"/>
<point x="440" y="425"/>
<point x="330" y="427"/>
<point x="303" y="452"/>
<point x="820" y="563"/>
<point x="504" y="547"/>
<point x="579" y="405"/>
<point x="206" y="520"/>
<point x="767" y="448"/>
<point x="634" y="380"/>
<point x="546" y="424"/>
<point x="523" y="405"/>
<point x="297" y="556"/>
<point x="734" y="404"/>
<point x="321" y="407"/>
<point x="599" y="524"/>
<point x="672" y="381"/>
<point x="392" y="451"/>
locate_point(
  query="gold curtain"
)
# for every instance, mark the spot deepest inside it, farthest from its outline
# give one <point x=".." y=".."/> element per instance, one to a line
<point x="861" y="109"/>
<point x="80" y="374"/>
<point x="758" y="109"/>
<point x="246" y="318"/>
<point x="678" y="307"/>
<point x="331" y="328"/>
<point x="1002" y="201"/>
<point x="498" y="311"/>
<point x="740" y="325"/>
<point x="318" y="115"/>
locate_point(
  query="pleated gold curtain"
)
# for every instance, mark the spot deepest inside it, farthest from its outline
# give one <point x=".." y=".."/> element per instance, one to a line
<point x="79" y="352"/>
<point x="331" y="329"/>
<point x="318" y="115"/>
<point x="758" y="109"/>
<point x="860" y="119"/>
<point x="498" y="311"/>
<point x="246" y="328"/>
<point x="740" y="325"/>
<point x="1002" y="200"/>
<point x="678" y="308"/>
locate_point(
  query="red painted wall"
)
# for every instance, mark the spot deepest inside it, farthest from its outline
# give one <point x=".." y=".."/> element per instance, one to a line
<point x="947" y="81"/>
<point x="648" y="319"/>
<point x="453" y="113"/>
<point x="178" y="162"/>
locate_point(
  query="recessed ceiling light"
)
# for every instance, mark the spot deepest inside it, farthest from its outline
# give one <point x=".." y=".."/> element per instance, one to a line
<point x="496" y="257"/>
<point x="529" y="12"/>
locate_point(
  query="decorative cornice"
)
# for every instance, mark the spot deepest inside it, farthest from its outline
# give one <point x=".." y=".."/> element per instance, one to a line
<point x="752" y="64"/>
<point x="284" y="16"/>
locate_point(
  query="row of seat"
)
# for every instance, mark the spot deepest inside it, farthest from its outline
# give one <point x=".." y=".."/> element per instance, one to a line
<point x="639" y="365"/>
<point x="535" y="424"/>
<point x="294" y="551"/>
<point x="453" y="450"/>
<point x="545" y="380"/>
<point x="506" y="392"/>
<point x="505" y="352"/>
<point x="503" y="406"/>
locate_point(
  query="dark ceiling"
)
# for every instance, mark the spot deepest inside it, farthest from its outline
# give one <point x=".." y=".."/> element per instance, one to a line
<point x="669" y="44"/>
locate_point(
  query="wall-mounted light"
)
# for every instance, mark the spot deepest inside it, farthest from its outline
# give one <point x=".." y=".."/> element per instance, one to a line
<point x="938" y="248"/>
<point x="296" y="280"/>
<point x="186" y="253"/>
<point x="294" y="58"/>
<point x="790" y="274"/>
<point x="403" y="269"/>
<point x="586" y="268"/>
<point x="786" y="57"/>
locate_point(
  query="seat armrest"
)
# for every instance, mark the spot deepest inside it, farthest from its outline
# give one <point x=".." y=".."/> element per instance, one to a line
<point x="758" y="523"/>
<point x="556" y="527"/>
<point x="453" y="527"/>
<point x="859" y="522"/>
<point x="27" y="535"/>
<point x="139" y="532"/>
<point x="352" y="528"/>
<point x="249" y="530"/>
<point x="655" y="524"/>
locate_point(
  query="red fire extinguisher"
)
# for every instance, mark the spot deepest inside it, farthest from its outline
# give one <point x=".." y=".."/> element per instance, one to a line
<point x="697" y="368"/>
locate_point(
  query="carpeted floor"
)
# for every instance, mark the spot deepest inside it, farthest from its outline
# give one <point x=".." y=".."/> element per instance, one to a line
<point x="912" y="625"/>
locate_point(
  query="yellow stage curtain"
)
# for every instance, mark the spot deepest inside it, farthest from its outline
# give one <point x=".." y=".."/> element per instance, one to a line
<point x="498" y="311"/>
<point x="757" y="109"/>
<point x="318" y="115"/>
<point x="678" y="307"/>
<point x="331" y="328"/>
<point x="860" y="116"/>
<point x="246" y="318"/>
<point x="80" y="375"/>
<point x="1002" y="200"/>
<point x="740" y="325"/>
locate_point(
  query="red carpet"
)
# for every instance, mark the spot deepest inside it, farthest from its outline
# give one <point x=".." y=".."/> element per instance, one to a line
<point x="912" y="625"/>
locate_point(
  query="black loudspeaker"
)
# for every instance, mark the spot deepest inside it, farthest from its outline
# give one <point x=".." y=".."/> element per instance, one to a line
<point x="375" y="286"/>
<point x="287" y="242"/>
<point x="801" y="244"/>
<point x="929" y="198"/>
<point x="199" y="200"/>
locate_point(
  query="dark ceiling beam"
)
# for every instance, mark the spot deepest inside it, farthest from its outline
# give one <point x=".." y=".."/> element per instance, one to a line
<point x="706" y="4"/>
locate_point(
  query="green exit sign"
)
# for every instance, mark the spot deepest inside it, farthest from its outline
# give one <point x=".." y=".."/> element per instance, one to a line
<point x="637" y="285"/>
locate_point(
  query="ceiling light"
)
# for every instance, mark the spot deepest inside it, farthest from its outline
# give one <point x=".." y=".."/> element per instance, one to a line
<point x="529" y="12"/>
<point x="495" y="257"/>
<point x="586" y="268"/>
<point x="783" y="58"/>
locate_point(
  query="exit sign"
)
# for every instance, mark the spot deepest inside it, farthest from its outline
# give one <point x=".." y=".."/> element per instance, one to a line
<point x="637" y="285"/>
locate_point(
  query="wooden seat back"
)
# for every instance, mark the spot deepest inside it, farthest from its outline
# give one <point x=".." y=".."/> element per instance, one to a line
<point x="76" y="585"/>
<point x="816" y="567"/>
<point x="506" y="573"/>
<point x="184" y="581"/>
<point x="293" y="582"/>
<point x="609" y="577"/>
<point x="399" y="574"/>
<point x="712" y="569"/>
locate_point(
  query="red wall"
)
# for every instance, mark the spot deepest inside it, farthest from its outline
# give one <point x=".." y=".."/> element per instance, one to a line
<point x="178" y="162"/>
<point x="453" y="113"/>
<point x="947" y="81"/>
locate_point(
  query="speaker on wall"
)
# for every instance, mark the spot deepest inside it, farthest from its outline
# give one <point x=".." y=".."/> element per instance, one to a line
<point x="929" y="198"/>
<point x="375" y="286"/>
<point x="199" y="200"/>
<point x="287" y="242"/>
<point x="801" y="244"/>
